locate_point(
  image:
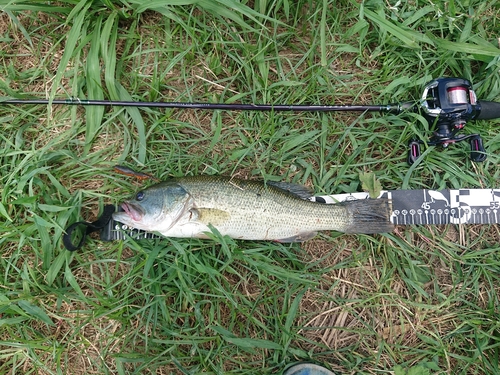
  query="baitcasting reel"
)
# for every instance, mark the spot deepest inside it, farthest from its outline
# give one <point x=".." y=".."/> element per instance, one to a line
<point x="448" y="104"/>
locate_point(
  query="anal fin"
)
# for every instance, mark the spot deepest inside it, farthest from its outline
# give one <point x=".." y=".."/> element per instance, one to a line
<point x="301" y="237"/>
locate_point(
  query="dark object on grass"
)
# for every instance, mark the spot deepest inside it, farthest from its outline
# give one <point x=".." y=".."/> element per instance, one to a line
<point x="133" y="173"/>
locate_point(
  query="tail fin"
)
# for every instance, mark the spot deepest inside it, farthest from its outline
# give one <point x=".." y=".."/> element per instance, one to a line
<point x="369" y="216"/>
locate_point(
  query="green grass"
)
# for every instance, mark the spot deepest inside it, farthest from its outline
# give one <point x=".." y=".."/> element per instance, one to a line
<point x="420" y="300"/>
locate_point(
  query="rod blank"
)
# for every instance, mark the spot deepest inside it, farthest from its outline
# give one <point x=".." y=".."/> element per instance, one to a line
<point x="388" y="108"/>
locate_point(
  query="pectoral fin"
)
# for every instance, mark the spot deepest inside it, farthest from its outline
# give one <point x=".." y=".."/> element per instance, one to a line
<point x="211" y="216"/>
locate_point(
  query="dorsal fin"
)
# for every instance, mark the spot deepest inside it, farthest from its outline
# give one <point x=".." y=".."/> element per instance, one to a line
<point x="301" y="191"/>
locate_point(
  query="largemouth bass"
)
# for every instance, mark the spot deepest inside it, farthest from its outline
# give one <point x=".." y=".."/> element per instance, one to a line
<point x="247" y="209"/>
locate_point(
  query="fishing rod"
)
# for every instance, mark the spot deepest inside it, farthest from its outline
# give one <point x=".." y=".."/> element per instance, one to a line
<point x="446" y="103"/>
<point x="387" y="108"/>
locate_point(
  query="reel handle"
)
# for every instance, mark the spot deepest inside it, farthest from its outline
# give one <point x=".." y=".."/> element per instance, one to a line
<point x="413" y="151"/>
<point x="477" y="151"/>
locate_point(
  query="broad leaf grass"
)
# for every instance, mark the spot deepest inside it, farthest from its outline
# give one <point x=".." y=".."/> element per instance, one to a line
<point x="419" y="300"/>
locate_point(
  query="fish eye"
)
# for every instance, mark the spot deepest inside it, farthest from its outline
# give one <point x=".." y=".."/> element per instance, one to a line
<point x="139" y="196"/>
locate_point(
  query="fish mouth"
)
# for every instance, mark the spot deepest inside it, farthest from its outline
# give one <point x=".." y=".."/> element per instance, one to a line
<point x="134" y="211"/>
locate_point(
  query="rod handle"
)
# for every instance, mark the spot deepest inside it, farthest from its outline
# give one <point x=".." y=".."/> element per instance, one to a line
<point x="489" y="110"/>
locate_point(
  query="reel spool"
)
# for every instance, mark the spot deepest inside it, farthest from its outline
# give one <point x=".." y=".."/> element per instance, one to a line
<point x="458" y="95"/>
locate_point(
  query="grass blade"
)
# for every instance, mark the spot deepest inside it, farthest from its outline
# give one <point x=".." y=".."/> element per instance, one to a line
<point x="323" y="33"/>
<point x="78" y="16"/>
<point x="35" y="311"/>
<point x="137" y="119"/>
<point x="478" y="50"/>
<point x="94" y="114"/>
<point x="408" y="37"/>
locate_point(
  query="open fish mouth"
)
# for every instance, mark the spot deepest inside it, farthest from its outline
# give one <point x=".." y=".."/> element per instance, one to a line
<point x="135" y="212"/>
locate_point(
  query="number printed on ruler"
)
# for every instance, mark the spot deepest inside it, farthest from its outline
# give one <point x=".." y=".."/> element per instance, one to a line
<point x="456" y="206"/>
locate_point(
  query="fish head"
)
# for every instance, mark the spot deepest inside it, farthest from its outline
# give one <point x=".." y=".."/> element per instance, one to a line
<point x="156" y="208"/>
